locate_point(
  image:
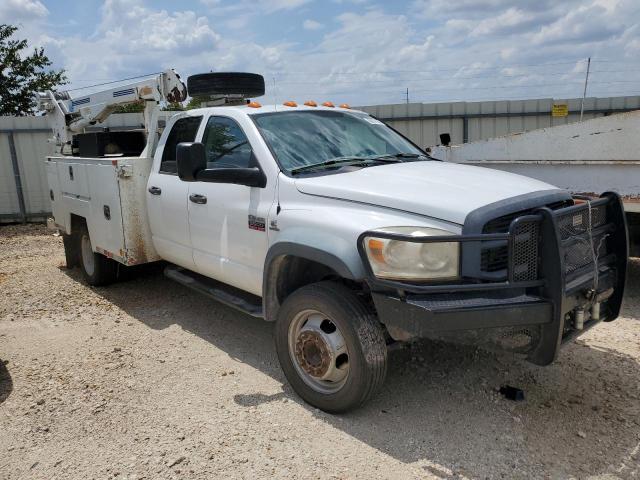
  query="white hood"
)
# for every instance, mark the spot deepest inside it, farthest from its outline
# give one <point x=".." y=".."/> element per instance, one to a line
<point x="440" y="190"/>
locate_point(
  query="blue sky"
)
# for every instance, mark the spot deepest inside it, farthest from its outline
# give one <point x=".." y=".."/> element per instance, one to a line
<point x="358" y="51"/>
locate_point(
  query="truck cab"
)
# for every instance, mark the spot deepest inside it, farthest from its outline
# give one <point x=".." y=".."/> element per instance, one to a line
<point x="349" y="237"/>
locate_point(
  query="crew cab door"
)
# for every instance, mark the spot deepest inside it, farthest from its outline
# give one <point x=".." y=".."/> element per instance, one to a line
<point x="227" y="221"/>
<point x="167" y="196"/>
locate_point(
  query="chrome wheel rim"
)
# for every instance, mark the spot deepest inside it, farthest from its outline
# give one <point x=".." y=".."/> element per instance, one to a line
<point x="318" y="351"/>
<point x="88" y="260"/>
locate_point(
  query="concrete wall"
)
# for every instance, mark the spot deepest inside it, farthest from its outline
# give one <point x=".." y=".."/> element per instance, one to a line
<point x="471" y="121"/>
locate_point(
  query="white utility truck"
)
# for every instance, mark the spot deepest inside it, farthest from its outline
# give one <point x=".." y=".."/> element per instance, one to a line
<point x="331" y="224"/>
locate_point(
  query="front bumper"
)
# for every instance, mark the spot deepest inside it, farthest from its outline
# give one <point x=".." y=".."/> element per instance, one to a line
<point x="566" y="272"/>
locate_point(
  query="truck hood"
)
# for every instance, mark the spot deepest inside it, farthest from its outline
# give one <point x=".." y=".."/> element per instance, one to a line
<point x="445" y="191"/>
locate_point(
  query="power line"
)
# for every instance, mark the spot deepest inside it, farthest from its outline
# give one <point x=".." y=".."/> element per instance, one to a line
<point x="390" y="88"/>
<point x="113" y="81"/>
<point x="466" y="66"/>
<point x="520" y="97"/>
<point x="284" y="82"/>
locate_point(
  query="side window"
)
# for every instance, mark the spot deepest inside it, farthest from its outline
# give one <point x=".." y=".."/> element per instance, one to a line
<point x="184" y="130"/>
<point x="225" y="144"/>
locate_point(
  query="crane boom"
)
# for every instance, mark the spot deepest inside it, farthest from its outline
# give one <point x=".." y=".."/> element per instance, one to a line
<point x="69" y="114"/>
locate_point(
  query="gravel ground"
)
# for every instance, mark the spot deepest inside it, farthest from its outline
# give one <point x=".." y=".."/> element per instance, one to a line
<point x="145" y="379"/>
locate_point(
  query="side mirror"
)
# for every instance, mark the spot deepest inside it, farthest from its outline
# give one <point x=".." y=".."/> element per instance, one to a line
<point x="445" y="139"/>
<point x="192" y="167"/>
<point x="191" y="160"/>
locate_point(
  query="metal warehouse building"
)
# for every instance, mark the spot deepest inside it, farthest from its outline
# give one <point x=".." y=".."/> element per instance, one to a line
<point x="24" y="194"/>
<point x="470" y="121"/>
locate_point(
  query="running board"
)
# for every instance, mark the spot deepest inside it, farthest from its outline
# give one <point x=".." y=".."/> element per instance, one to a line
<point x="223" y="293"/>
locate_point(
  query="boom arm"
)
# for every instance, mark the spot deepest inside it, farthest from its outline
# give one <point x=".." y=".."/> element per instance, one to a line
<point x="69" y="115"/>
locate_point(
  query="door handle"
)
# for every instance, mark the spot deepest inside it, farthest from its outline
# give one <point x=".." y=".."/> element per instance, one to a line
<point x="155" y="190"/>
<point x="197" y="198"/>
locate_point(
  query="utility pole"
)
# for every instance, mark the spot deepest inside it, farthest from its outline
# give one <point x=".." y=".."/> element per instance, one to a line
<point x="275" y="97"/>
<point x="407" y="95"/>
<point x="584" y="93"/>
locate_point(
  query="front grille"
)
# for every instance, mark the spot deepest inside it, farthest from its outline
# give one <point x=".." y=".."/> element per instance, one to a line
<point x="573" y="228"/>
<point x="577" y="223"/>
<point x="524" y="254"/>
<point x="496" y="259"/>
<point x="501" y="224"/>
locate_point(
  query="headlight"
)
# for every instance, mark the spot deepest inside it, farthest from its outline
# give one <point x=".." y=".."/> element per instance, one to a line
<point x="407" y="260"/>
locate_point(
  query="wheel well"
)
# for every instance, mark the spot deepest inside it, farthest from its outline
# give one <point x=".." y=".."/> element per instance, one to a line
<point x="77" y="222"/>
<point x="287" y="273"/>
<point x="71" y="241"/>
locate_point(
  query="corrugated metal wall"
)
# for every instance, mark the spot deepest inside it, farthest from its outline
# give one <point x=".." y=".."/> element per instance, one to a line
<point x="23" y="144"/>
<point x="23" y="140"/>
<point x="469" y="121"/>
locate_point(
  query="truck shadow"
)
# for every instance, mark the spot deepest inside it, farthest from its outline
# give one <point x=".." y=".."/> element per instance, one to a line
<point x="6" y="384"/>
<point x="439" y="405"/>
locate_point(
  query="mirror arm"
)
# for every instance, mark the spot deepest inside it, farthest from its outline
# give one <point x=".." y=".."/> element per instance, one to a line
<point x="251" y="177"/>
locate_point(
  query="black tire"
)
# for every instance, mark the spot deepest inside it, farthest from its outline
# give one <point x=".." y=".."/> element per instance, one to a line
<point x="363" y="336"/>
<point x="71" y="255"/>
<point x="103" y="270"/>
<point x="225" y="83"/>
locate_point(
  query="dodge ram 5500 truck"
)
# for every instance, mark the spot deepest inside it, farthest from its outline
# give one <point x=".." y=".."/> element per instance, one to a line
<point x="334" y="226"/>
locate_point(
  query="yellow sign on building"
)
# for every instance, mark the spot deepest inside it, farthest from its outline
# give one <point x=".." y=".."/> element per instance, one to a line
<point x="560" y="110"/>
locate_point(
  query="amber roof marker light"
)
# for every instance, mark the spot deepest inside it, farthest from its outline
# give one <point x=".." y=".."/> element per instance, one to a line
<point x="254" y="104"/>
<point x="310" y="103"/>
<point x="344" y="105"/>
<point x="328" y="104"/>
<point x="290" y="103"/>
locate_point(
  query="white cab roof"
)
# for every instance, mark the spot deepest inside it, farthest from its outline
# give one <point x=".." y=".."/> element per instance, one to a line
<point x="269" y="109"/>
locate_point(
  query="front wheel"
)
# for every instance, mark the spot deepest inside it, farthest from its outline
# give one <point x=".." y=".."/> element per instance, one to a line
<point x="331" y="347"/>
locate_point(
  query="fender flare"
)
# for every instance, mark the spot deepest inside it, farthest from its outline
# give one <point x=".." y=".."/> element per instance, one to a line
<point x="283" y="249"/>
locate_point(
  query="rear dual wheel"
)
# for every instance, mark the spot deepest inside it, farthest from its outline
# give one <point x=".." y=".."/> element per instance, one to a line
<point x="97" y="269"/>
<point x="331" y="347"/>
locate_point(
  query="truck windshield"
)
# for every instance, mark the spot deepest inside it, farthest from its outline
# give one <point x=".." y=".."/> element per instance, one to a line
<point x="315" y="138"/>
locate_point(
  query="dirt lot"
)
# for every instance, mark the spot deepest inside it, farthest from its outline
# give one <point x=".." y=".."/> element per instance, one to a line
<point x="145" y="379"/>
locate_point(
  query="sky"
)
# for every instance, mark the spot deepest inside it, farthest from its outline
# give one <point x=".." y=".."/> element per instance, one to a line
<point x="361" y="52"/>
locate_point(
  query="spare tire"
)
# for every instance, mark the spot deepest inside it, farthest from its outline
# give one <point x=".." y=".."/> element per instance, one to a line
<point x="226" y="83"/>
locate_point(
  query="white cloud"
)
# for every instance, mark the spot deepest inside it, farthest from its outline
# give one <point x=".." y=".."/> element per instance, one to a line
<point x="312" y="25"/>
<point x="440" y="50"/>
<point x="12" y="11"/>
<point x="123" y="44"/>
<point x="275" y="5"/>
<point x="253" y="7"/>
<point x="586" y="23"/>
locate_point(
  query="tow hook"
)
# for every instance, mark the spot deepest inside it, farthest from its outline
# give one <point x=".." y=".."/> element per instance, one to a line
<point x="579" y="315"/>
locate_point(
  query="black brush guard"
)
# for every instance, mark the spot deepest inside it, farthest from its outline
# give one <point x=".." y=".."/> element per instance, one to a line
<point x="560" y="263"/>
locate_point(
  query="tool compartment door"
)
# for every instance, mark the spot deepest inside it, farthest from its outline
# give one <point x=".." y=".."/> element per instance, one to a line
<point x="105" y="218"/>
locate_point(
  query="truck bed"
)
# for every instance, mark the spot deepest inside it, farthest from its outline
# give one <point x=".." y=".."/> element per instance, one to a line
<point x="109" y="194"/>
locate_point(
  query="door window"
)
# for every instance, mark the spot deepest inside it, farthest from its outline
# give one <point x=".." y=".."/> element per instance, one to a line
<point x="225" y="144"/>
<point x="184" y="130"/>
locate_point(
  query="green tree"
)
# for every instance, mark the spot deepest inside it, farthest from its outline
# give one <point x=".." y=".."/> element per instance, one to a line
<point x="173" y="107"/>
<point x="194" y="102"/>
<point x="21" y="75"/>
<point x="134" y="107"/>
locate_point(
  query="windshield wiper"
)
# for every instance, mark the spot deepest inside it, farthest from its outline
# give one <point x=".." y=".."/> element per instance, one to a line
<point x="402" y="155"/>
<point x="341" y="161"/>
